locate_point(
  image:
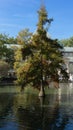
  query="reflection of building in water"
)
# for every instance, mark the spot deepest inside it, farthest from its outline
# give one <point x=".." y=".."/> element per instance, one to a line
<point x="71" y="77"/>
<point x="68" y="56"/>
<point x="70" y="89"/>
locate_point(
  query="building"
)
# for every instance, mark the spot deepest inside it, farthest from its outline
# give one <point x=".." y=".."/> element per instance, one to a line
<point x="68" y="57"/>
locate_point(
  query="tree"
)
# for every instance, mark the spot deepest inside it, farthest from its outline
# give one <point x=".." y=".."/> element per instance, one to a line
<point x="42" y="57"/>
<point x="6" y="49"/>
<point x="3" y="47"/>
<point x="4" y="67"/>
<point x="23" y="40"/>
<point x="67" y="42"/>
<point x="24" y="37"/>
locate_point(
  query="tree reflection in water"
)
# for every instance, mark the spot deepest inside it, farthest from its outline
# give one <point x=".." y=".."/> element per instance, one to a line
<point x="35" y="113"/>
<point x="6" y="103"/>
<point x="37" y="116"/>
<point x="28" y="112"/>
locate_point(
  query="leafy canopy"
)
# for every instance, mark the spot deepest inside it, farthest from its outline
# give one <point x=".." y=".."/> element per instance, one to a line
<point x="41" y="56"/>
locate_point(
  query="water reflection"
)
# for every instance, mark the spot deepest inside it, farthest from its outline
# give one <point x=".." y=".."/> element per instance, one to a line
<point x="28" y="112"/>
<point x="6" y="103"/>
<point x="39" y="114"/>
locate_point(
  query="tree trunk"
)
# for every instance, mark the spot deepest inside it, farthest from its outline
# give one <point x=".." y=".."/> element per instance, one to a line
<point x="42" y="92"/>
<point x="22" y="87"/>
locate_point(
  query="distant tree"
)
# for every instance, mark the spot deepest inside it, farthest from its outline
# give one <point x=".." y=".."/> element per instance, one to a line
<point x="42" y="56"/>
<point x="24" y="37"/>
<point x="3" y="47"/>
<point x="4" y="67"/>
<point x="67" y="42"/>
<point x="6" y="49"/>
<point x="23" y="40"/>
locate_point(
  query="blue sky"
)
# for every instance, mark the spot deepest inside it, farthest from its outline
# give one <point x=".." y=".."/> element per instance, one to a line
<point x="16" y="15"/>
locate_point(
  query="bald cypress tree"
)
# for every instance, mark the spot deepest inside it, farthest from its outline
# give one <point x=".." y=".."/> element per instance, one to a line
<point x="44" y="58"/>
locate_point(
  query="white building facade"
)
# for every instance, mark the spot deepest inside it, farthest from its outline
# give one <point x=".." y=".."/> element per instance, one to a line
<point x="68" y="56"/>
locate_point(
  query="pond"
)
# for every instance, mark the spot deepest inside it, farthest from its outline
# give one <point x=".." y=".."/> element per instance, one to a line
<point x="26" y="111"/>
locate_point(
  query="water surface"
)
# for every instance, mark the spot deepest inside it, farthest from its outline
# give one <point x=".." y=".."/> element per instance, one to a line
<point x="26" y="111"/>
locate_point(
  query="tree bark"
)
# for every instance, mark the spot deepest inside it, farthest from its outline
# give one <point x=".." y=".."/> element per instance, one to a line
<point x="42" y="92"/>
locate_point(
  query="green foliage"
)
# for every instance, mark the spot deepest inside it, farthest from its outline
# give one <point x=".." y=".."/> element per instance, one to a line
<point x="4" y="67"/>
<point x="6" y="49"/>
<point x="67" y="42"/>
<point x="41" y="56"/>
<point x="24" y="37"/>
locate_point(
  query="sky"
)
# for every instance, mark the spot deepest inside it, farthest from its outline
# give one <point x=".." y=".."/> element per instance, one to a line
<point x="16" y="15"/>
